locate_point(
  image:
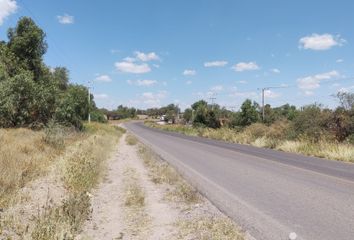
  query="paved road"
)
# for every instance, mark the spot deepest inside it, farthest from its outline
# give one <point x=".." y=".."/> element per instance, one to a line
<point x="269" y="193"/>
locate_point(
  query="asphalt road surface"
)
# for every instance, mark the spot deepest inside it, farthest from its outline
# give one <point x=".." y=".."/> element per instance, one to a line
<point x="268" y="193"/>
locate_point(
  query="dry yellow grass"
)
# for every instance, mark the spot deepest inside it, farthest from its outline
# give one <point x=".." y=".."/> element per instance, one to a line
<point x="216" y="228"/>
<point x="24" y="155"/>
<point x="162" y="173"/>
<point x="131" y="140"/>
<point x="273" y="137"/>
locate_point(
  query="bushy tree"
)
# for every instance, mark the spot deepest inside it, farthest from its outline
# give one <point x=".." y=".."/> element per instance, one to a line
<point x="211" y="120"/>
<point x="73" y="106"/>
<point x="188" y="115"/>
<point x="17" y="100"/>
<point x="27" y="42"/>
<point x="31" y="94"/>
<point x="249" y="113"/>
<point x="312" y="121"/>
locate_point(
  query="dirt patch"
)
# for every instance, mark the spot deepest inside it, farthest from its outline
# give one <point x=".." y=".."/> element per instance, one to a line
<point x="144" y="198"/>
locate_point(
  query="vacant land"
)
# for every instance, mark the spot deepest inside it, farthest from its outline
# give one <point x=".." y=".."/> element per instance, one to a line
<point x="46" y="177"/>
<point x="142" y="197"/>
<point x="268" y="137"/>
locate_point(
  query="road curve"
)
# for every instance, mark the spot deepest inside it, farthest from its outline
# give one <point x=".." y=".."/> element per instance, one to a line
<point x="269" y="193"/>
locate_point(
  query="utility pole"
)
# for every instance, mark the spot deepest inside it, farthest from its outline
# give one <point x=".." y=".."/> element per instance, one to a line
<point x="263" y="89"/>
<point x="263" y="101"/>
<point x="212" y="99"/>
<point x="89" y="102"/>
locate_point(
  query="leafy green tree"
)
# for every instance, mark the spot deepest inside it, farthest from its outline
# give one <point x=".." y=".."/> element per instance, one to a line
<point x="17" y="100"/>
<point x="312" y="121"/>
<point x="60" y="76"/>
<point x="27" y="42"/>
<point x="73" y="106"/>
<point x="200" y="104"/>
<point x="188" y="115"/>
<point x="249" y="113"/>
<point x="211" y="120"/>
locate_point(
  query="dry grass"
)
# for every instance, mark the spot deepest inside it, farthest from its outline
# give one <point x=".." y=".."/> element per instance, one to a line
<point x="162" y="173"/>
<point x="63" y="221"/>
<point x="137" y="220"/>
<point x="200" y="226"/>
<point x="340" y="152"/>
<point x="84" y="165"/>
<point x="134" y="194"/>
<point x="131" y="140"/>
<point x="215" y="228"/>
<point x="273" y="137"/>
<point x="26" y="155"/>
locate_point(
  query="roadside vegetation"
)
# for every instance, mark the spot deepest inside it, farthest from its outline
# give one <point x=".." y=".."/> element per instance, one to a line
<point x="79" y="163"/>
<point x="196" y="225"/>
<point x="311" y="130"/>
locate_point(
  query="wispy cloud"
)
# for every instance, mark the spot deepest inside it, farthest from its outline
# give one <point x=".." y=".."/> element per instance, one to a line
<point x="103" y="78"/>
<point x="320" y="42"/>
<point x="7" y="7"/>
<point x="144" y="82"/>
<point x="312" y="82"/>
<point x="100" y="96"/>
<point x="66" y="19"/>
<point x="215" y="64"/>
<point x="131" y="67"/>
<point x="275" y="70"/>
<point x="217" y="88"/>
<point x="271" y="94"/>
<point x="245" y="66"/>
<point x="189" y="72"/>
<point x="146" y="57"/>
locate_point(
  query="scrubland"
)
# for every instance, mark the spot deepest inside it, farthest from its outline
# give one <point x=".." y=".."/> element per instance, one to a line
<point x="275" y="136"/>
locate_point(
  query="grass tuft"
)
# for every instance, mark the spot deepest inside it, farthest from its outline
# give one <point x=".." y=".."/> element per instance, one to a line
<point x="215" y="228"/>
<point x="131" y="140"/>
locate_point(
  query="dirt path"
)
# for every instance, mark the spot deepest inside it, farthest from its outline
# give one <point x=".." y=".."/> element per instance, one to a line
<point x="112" y="219"/>
<point x="130" y="204"/>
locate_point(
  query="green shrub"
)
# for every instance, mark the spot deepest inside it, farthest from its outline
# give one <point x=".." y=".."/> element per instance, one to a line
<point x="55" y="135"/>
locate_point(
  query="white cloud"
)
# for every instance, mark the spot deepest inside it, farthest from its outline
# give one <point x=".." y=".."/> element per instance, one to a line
<point x="100" y="96"/>
<point x="189" y="72"/>
<point x="189" y="82"/>
<point x="309" y="93"/>
<point x="243" y="66"/>
<point x="321" y="42"/>
<point x="270" y="94"/>
<point x="7" y="7"/>
<point x="146" y="57"/>
<point x="103" y="78"/>
<point x="131" y="67"/>
<point x="153" y="99"/>
<point x="129" y="59"/>
<point x="339" y="60"/>
<point x="217" y="88"/>
<point x="346" y="89"/>
<point x="242" y="81"/>
<point x="66" y="19"/>
<point x="144" y="82"/>
<point x="215" y="64"/>
<point x="275" y="70"/>
<point x="313" y="82"/>
<point x="243" y="94"/>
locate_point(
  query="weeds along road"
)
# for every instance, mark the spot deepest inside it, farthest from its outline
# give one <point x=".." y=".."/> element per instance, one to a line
<point x="268" y="193"/>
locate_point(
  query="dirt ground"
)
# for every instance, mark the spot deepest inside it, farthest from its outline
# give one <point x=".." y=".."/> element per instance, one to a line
<point x="157" y="218"/>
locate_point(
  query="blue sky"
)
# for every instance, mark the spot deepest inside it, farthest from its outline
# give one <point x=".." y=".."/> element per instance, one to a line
<point x="150" y="53"/>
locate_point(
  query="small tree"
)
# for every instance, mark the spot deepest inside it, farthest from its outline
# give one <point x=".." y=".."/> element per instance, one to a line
<point x="187" y="115"/>
<point x="249" y="113"/>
